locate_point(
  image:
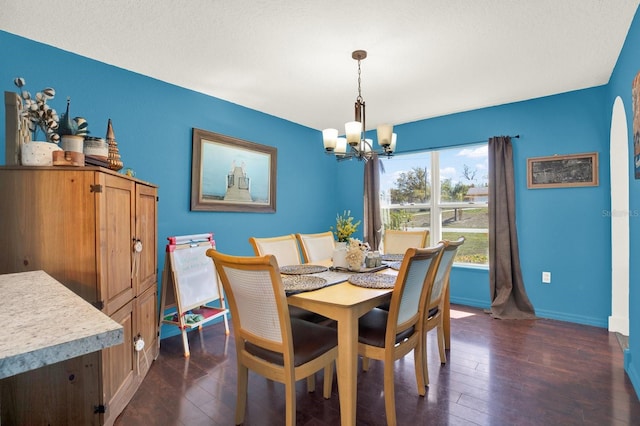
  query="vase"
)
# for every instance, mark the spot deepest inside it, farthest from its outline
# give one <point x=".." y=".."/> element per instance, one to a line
<point x="36" y="153"/>
<point x="74" y="143"/>
<point x="340" y="255"/>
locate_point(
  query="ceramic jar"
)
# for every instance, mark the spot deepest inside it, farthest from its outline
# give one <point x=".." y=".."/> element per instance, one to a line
<point x="96" y="147"/>
<point x="74" y="143"/>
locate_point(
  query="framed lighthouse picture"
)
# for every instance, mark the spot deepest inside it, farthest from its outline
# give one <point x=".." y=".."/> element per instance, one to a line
<point x="232" y="175"/>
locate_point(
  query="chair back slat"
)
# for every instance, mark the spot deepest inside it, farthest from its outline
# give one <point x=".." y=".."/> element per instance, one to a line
<point x="255" y="302"/>
<point x="397" y="242"/>
<point x="284" y="248"/>
<point x="316" y="247"/>
<point x="413" y="285"/>
<point x="444" y="270"/>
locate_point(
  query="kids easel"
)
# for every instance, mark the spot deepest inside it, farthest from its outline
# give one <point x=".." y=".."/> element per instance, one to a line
<point x="190" y="283"/>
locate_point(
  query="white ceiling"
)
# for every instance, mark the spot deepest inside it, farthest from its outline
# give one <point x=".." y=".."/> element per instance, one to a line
<point x="292" y="58"/>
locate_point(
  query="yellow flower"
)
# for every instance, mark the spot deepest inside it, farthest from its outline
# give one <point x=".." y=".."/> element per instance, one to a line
<point x="344" y="226"/>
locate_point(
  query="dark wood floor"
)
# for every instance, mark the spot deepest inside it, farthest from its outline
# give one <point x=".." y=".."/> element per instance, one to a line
<point x="540" y="372"/>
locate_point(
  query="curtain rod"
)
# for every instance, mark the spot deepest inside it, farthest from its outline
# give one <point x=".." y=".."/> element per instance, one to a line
<point x="413" y="151"/>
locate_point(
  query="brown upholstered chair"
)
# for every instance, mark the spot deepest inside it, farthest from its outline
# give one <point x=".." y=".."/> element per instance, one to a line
<point x="435" y="305"/>
<point x="316" y="247"/>
<point x="390" y="335"/>
<point x="397" y="242"/>
<point x="268" y="341"/>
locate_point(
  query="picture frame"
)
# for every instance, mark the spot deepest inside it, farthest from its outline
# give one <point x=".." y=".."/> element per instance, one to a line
<point x="232" y="175"/>
<point x="562" y="171"/>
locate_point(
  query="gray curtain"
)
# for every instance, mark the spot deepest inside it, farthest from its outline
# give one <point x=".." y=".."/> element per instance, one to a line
<point x="509" y="298"/>
<point x="372" y="218"/>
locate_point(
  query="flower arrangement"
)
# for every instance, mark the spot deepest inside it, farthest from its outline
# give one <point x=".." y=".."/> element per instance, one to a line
<point x="356" y="252"/>
<point x="345" y="227"/>
<point x="40" y="116"/>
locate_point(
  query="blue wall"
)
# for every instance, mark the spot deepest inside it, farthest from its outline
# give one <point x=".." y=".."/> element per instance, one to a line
<point x="627" y="68"/>
<point x="562" y="231"/>
<point x="559" y="230"/>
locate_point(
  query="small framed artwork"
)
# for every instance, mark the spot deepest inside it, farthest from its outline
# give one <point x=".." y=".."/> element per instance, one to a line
<point x="232" y="175"/>
<point x="561" y="171"/>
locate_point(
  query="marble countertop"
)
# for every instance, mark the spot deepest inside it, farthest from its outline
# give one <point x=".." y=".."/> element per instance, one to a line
<point x="43" y="322"/>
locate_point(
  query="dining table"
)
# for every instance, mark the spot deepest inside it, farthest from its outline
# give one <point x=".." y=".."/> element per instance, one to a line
<point x="346" y="303"/>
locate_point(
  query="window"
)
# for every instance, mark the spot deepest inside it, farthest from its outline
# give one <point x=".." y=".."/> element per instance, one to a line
<point x="445" y="191"/>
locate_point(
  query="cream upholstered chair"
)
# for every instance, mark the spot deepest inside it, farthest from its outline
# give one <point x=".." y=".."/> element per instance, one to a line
<point x="390" y="335"/>
<point x="268" y="341"/>
<point x="397" y="242"/>
<point x="433" y="317"/>
<point x="284" y="248"/>
<point x="316" y="247"/>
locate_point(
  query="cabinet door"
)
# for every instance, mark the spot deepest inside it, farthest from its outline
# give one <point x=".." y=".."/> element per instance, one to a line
<point x="116" y="228"/>
<point x="48" y="223"/>
<point x="64" y="393"/>
<point x="118" y="366"/>
<point x="146" y="312"/>
<point x="146" y="267"/>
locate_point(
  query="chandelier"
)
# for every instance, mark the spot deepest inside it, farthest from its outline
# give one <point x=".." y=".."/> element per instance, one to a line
<point x="358" y="146"/>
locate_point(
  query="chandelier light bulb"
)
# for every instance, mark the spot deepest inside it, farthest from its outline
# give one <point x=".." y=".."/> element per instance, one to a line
<point x="330" y="138"/>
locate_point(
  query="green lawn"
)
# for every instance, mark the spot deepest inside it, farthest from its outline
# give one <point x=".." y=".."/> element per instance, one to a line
<point x="475" y="249"/>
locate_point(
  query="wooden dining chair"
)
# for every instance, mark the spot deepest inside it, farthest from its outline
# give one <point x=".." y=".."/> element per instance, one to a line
<point x="390" y="335"/>
<point x="397" y="242"/>
<point x="316" y="247"/>
<point x="284" y="248"/>
<point x="268" y="341"/>
<point x="434" y="308"/>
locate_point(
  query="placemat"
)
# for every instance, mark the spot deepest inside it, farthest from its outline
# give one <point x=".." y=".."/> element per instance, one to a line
<point x="334" y="277"/>
<point x="394" y="265"/>
<point x="302" y="269"/>
<point x="392" y="257"/>
<point x="373" y="280"/>
<point x="300" y="283"/>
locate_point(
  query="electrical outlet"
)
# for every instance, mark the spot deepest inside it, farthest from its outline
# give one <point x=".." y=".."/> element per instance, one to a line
<point x="546" y="277"/>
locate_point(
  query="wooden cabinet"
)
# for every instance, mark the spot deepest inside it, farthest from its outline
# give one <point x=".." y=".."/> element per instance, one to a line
<point x="93" y="230"/>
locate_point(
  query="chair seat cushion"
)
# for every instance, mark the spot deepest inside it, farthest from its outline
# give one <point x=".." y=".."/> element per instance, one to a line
<point x="433" y="312"/>
<point x="309" y="342"/>
<point x="372" y="327"/>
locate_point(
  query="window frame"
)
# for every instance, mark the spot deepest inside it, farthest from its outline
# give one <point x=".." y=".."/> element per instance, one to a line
<point x="436" y="206"/>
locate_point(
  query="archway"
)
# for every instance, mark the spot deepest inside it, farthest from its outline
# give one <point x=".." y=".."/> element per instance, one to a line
<point x="619" y="169"/>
